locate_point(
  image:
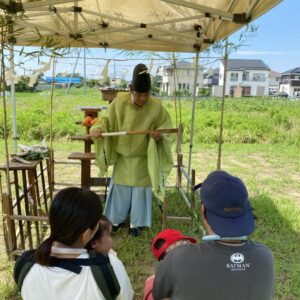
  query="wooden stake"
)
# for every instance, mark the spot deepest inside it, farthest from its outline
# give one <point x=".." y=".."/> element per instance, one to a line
<point x="9" y="224"/>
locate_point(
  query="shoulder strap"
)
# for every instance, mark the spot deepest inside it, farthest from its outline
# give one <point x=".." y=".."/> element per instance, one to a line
<point x="105" y="278"/>
<point x="101" y="268"/>
<point x="23" y="266"/>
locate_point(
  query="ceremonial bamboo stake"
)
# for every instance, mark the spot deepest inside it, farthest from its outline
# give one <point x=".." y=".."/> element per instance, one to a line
<point x="134" y="132"/>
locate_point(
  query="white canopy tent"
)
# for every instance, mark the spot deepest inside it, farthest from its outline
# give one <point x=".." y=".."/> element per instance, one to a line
<point x="149" y="25"/>
<point x="152" y="25"/>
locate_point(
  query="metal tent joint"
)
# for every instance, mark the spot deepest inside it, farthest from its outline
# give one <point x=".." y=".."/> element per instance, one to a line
<point x="52" y="9"/>
<point x="103" y="24"/>
<point x="76" y="9"/>
<point x="208" y="41"/>
<point x="198" y="29"/>
<point x="241" y="18"/>
<point x="12" y="7"/>
<point x="12" y="39"/>
<point x="103" y="44"/>
<point x="197" y="46"/>
<point x="76" y="36"/>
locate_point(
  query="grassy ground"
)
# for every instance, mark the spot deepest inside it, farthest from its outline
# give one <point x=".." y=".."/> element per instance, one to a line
<point x="270" y="171"/>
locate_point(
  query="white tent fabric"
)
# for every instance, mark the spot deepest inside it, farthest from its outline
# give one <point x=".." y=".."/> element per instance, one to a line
<point x="151" y="25"/>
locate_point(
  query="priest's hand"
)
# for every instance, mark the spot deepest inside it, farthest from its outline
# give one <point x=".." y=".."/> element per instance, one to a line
<point x="96" y="133"/>
<point x="155" y="135"/>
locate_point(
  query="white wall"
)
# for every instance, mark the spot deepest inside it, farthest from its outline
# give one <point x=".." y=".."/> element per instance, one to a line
<point x="185" y="77"/>
<point x="254" y="85"/>
<point x="290" y="90"/>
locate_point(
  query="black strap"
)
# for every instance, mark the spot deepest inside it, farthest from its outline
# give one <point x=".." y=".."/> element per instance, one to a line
<point x="23" y="266"/>
<point x="101" y="268"/>
<point x="105" y="277"/>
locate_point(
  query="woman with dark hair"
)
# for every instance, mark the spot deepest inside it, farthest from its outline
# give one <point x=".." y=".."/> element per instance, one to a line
<point x="62" y="268"/>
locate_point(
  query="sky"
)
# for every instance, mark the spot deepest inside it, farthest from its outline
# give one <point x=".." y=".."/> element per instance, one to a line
<point x="276" y="42"/>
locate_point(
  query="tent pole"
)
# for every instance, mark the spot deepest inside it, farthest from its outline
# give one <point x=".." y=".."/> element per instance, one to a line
<point x="69" y="84"/>
<point x="193" y="112"/>
<point x="222" y="106"/>
<point x="13" y="98"/>
<point x="84" y="70"/>
<point x="3" y="90"/>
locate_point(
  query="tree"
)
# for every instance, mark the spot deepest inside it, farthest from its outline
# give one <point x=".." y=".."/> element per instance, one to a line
<point x="123" y="84"/>
<point x="22" y="84"/>
<point x="156" y="80"/>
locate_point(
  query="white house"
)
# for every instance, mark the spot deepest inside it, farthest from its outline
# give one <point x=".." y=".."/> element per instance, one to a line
<point x="245" y="77"/>
<point x="290" y="82"/>
<point x="182" y="80"/>
<point x="274" y="79"/>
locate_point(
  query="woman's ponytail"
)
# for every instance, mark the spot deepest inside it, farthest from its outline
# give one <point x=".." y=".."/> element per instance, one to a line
<point x="43" y="252"/>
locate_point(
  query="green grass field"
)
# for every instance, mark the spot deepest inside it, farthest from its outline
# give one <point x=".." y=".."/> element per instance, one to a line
<point x="261" y="145"/>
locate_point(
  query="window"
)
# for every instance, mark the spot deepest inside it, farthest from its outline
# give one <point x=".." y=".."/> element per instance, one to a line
<point x="179" y="86"/>
<point x="246" y="76"/>
<point x="259" y="77"/>
<point x="188" y="86"/>
<point x="234" y="76"/>
<point x="183" y="86"/>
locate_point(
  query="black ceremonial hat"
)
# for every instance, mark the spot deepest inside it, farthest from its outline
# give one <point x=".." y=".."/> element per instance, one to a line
<point x="141" y="81"/>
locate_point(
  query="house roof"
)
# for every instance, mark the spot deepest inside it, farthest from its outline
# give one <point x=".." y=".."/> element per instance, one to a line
<point x="292" y="71"/>
<point x="274" y="74"/>
<point x="149" y="25"/>
<point x="181" y="64"/>
<point x="246" y="64"/>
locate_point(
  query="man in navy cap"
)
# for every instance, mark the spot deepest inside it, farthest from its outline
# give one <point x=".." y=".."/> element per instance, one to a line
<point x="226" y="265"/>
<point x="140" y="162"/>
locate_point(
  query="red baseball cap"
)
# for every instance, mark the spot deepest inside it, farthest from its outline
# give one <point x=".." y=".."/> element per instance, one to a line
<point x="168" y="236"/>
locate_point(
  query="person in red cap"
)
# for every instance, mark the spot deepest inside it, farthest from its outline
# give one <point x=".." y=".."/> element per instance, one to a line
<point x="141" y="162"/>
<point x="162" y="244"/>
<point x="226" y="265"/>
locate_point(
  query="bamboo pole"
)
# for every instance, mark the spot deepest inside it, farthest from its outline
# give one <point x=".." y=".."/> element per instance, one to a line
<point x="192" y="189"/>
<point x="193" y="113"/>
<point x="51" y="152"/>
<point x="13" y="99"/>
<point x="3" y="88"/>
<point x="134" y="132"/>
<point x="222" y="107"/>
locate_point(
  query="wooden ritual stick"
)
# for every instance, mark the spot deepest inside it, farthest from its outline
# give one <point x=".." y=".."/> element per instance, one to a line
<point x="133" y="132"/>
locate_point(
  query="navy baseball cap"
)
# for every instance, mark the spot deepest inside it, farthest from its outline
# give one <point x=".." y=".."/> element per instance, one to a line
<point x="228" y="209"/>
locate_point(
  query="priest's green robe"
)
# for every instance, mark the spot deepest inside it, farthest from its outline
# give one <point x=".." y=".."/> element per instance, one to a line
<point x="138" y="160"/>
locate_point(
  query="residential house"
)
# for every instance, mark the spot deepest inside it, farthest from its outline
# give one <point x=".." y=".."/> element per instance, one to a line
<point x="245" y="77"/>
<point x="274" y="79"/>
<point x="290" y="82"/>
<point x="211" y="77"/>
<point x="180" y="78"/>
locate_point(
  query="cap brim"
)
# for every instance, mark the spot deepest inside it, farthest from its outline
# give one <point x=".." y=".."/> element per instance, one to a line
<point x="231" y="227"/>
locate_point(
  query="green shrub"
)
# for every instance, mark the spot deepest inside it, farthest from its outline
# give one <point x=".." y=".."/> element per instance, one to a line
<point x="247" y="121"/>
